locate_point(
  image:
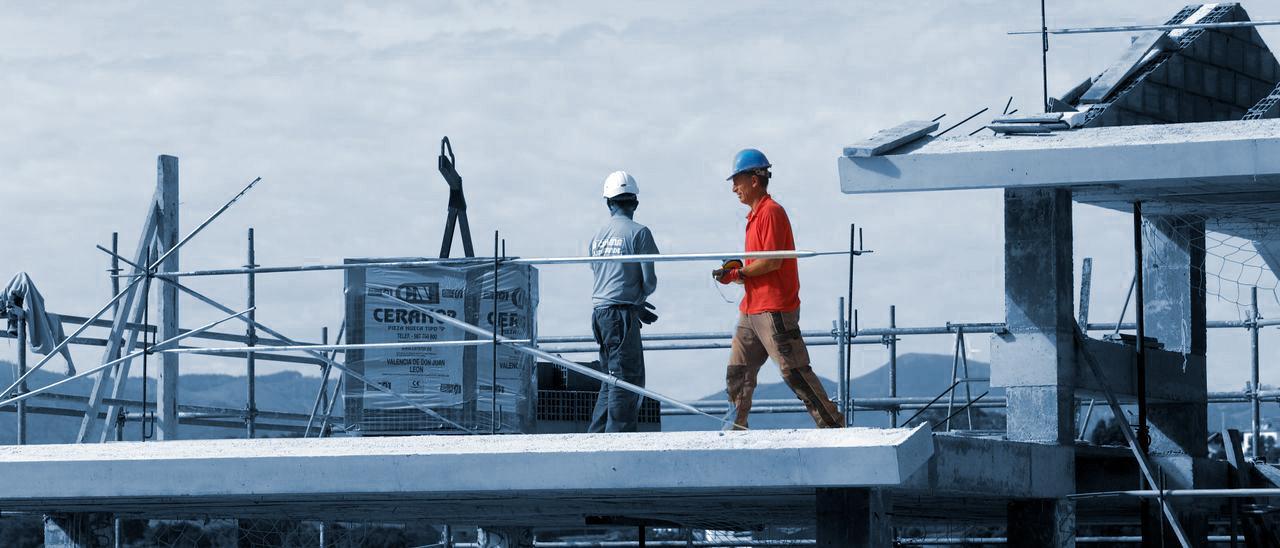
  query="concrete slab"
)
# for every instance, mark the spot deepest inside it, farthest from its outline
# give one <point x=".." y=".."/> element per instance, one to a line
<point x="1196" y="165"/>
<point x="886" y="140"/>
<point x="524" y="480"/>
<point x="1126" y="158"/>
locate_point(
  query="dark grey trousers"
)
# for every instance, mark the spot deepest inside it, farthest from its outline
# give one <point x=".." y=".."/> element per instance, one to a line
<point x="617" y="331"/>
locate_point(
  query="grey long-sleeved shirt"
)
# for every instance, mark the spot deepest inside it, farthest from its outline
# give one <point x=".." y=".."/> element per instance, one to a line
<point x="622" y="283"/>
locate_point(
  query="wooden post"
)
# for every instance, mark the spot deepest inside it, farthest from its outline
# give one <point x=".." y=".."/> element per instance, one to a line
<point x="167" y="238"/>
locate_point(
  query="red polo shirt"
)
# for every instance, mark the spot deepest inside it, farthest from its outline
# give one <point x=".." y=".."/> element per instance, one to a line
<point x="769" y="229"/>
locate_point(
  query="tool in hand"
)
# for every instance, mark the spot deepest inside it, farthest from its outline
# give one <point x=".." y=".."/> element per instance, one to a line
<point x="729" y="272"/>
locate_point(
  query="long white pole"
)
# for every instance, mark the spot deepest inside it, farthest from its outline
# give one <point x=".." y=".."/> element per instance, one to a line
<point x="678" y="257"/>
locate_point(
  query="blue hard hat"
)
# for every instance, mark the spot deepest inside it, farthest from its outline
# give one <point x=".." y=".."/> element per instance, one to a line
<point x="748" y="159"/>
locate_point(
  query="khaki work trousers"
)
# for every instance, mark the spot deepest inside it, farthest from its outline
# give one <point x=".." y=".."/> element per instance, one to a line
<point x="776" y="335"/>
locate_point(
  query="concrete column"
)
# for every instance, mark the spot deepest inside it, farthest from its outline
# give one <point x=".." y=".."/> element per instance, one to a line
<point x="1035" y="360"/>
<point x="167" y="237"/>
<point x="853" y="517"/>
<point x="1173" y="262"/>
<point x="78" y="530"/>
<point x="504" y="537"/>
<point x="1173" y="259"/>
<point x="1042" y="522"/>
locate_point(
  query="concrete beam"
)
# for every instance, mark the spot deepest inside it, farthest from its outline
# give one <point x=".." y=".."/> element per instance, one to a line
<point x="529" y="473"/>
<point x="1126" y="158"/>
<point x="963" y="466"/>
<point x="1175" y="299"/>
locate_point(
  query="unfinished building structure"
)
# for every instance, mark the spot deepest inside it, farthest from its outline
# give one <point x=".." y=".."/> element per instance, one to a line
<point x="1180" y="132"/>
<point x="1182" y="125"/>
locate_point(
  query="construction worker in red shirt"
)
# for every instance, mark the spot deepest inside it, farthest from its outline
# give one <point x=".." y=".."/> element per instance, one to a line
<point x="768" y="326"/>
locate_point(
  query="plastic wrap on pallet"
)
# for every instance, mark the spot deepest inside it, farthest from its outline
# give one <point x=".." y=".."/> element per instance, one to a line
<point x="383" y="305"/>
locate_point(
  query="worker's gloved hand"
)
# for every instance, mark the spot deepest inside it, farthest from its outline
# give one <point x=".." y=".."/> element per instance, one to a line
<point x="727" y="275"/>
<point x="647" y="316"/>
<point x="729" y="272"/>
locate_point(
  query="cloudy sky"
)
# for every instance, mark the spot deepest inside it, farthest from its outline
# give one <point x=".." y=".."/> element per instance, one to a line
<point x="340" y="108"/>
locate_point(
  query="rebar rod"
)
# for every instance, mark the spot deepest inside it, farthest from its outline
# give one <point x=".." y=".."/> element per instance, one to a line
<point x="842" y="361"/>
<point x="1133" y="282"/>
<point x="1255" y="404"/>
<point x="893" y="363"/>
<point x="493" y="350"/>
<point x="849" y="325"/>
<point x="251" y="398"/>
<point x="931" y="402"/>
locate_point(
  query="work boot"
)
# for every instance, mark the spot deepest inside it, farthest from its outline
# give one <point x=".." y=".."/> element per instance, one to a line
<point x="809" y="389"/>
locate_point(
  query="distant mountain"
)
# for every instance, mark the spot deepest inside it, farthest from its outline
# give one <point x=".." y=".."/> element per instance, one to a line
<point x="920" y="375"/>
<point x="285" y="391"/>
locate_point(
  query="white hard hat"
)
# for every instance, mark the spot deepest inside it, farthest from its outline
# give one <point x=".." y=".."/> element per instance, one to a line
<point x="620" y="182"/>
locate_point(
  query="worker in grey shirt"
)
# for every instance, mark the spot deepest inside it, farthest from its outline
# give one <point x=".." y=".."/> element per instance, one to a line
<point x="619" y="299"/>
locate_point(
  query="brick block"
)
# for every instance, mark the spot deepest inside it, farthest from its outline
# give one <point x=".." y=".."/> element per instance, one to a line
<point x="1174" y="70"/>
<point x="1152" y="97"/>
<point x="1235" y="56"/>
<point x="1186" y="109"/>
<point x="1253" y="60"/>
<point x="1211" y="77"/>
<point x="1197" y="51"/>
<point x="1244" y="93"/>
<point x="1223" y="112"/>
<point x="1194" y="76"/>
<point x="1269" y="67"/>
<point x="1226" y="86"/>
<point x="1203" y="109"/>
<point x="1169" y="107"/>
<point x="1217" y="43"/>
